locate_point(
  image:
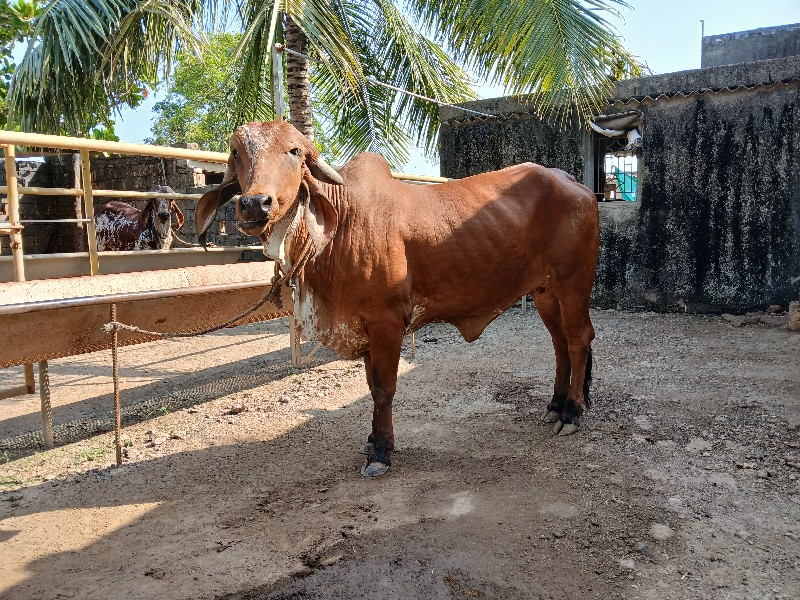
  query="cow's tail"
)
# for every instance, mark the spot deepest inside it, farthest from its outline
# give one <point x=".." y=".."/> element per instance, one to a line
<point x="587" y="379"/>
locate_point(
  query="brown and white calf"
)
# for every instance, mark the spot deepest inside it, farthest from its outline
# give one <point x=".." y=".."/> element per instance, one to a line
<point x="388" y="257"/>
<point x="122" y="226"/>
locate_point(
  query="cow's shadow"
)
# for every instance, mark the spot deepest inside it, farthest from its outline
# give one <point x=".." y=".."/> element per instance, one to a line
<point x="192" y="515"/>
<point x="213" y="520"/>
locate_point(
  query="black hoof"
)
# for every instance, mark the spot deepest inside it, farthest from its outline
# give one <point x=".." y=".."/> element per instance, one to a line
<point x="374" y="469"/>
<point x="569" y="429"/>
<point x="551" y="416"/>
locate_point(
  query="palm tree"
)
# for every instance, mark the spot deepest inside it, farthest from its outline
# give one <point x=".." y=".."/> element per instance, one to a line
<point x="88" y="55"/>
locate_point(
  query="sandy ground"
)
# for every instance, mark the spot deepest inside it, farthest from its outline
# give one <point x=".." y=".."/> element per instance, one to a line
<point x="241" y="475"/>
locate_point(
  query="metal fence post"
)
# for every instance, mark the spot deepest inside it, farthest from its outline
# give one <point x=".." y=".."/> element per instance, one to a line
<point x="277" y="83"/>
<point x="15" y="235"/>
<point x="295" y="344"/>
<point x="47" y="411"/>
<point x="88" y="208"/>
<point x="30" y="380"/>
<point x="13" y="212"/>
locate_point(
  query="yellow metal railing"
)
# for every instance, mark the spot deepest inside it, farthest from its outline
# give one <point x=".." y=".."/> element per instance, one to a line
<point x="13" y="228"/>
<point x="10" y="139"/>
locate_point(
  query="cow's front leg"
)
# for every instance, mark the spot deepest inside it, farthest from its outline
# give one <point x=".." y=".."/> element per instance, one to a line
<point x="381" y="365"/>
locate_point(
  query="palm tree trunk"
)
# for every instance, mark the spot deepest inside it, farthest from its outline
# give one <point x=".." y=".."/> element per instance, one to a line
<point x="298" y="79"/>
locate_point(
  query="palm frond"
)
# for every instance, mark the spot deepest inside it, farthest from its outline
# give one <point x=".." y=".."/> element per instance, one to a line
<point x="561" y="52"/>
<point x="342" y="112"/>
<point x="253" y="91"/>
<point x="413" y="62"/>
<point x="87" y="56"/>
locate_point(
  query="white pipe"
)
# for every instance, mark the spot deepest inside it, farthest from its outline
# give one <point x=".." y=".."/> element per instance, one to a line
<point x="607" y="132"/>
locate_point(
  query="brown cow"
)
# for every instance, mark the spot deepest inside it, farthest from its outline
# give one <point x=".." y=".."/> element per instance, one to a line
<point x="373" y="258"/>
<point x="122" y="226"/>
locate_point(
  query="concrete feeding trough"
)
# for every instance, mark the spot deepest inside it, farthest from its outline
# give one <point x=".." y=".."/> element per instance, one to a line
<point x="73" y="264"/>
<point x="54" y="318"/>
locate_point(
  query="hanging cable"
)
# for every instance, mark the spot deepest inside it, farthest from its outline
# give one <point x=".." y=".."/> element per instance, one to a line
<point x="283" y="48"/>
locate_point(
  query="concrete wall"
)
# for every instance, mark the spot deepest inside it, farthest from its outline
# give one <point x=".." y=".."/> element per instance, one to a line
<point x="749" y="46"/>
<point x="718" y="224"/>
<point x="481" y="145"/>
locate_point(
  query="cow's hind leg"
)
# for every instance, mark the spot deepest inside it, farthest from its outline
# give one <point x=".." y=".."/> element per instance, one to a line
<point x="549" y="310"/>
<point x="579" y="333"/>
<point x="381" y="363"/>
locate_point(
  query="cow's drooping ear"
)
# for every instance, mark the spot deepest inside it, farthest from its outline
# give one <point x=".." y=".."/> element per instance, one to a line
<point x="213" y="200"/>
<point x="320" y="217"/>
<point x="178" y="214"/>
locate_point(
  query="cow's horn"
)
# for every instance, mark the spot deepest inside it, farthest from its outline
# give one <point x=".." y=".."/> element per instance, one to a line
<point x="324" y="172"/>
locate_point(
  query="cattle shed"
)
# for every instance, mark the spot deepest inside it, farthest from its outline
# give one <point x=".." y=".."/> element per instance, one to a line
<point x="710" y="219"/>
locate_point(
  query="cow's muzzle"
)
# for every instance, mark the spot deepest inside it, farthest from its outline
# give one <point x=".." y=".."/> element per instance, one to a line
<point x="253" y="213"/>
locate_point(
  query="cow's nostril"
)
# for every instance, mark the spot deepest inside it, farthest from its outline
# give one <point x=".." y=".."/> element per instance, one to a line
<point x="255" y="207"/>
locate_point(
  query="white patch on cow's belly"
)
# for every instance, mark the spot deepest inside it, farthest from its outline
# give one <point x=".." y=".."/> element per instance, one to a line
<point x="339" y="337"/>
<point x="417" y="313"/>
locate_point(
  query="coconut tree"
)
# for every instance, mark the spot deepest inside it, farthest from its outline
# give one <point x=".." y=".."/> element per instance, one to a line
<point x="88" y="55"/>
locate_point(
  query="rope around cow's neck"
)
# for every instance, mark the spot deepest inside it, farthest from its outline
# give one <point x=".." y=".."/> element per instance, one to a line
<point x="272" y="295"/>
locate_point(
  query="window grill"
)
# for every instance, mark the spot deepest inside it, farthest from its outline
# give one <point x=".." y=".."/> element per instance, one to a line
<point x="616" y="172"/>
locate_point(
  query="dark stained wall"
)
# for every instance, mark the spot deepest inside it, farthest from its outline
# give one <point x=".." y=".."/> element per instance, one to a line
<point x="717" y="227"/>
<point x="719" y="222"/>
<point x="488" y="144"/>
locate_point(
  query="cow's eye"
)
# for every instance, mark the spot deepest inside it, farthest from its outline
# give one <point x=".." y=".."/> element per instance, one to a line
<point x="235" y="154"/>
<point x="295" y="151"/>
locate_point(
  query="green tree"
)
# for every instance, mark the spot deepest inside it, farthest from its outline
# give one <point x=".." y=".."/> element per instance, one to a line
<point x="88" y="48"/>
<point x="16" y="26"/>
<point x="198" y="107"/>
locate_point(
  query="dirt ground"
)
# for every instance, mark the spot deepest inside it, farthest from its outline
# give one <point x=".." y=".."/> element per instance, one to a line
<point x="241" y="477"/>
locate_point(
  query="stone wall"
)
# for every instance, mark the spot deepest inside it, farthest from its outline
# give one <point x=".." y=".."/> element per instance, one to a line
<point x="718" y="225"/>
<point x="131" y="173"/>
<point x="480" y="145"/>
<point x="47" y="237"/>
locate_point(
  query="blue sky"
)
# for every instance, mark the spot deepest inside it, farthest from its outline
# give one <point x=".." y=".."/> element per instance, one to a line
<point x="665" y="35"/>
